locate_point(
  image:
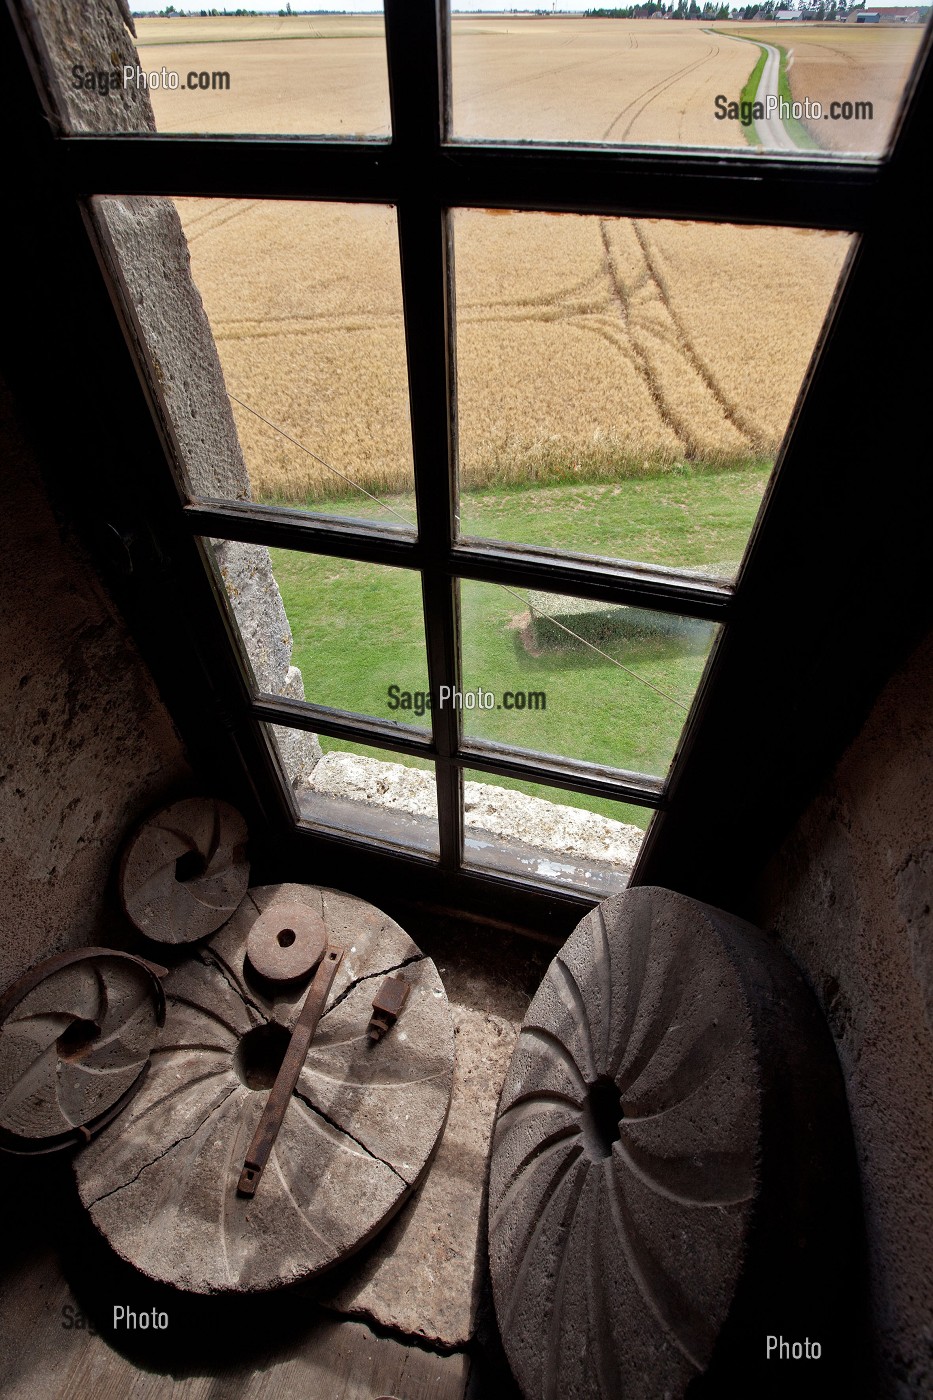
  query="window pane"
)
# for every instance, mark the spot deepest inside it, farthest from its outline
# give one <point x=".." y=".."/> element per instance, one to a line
<point x="549" y="834"/>
<point x="305" y="305"/>
<point x="594" y="681"/>
<point x="353" y="790"/>
<point x="278" y="74"/>
<point x="352" y="632"/>
<point x="663" y="80"/>
<point x="624" y="385"/>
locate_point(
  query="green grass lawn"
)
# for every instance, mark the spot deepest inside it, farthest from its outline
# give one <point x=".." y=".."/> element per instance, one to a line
<point x="358" y="627"/>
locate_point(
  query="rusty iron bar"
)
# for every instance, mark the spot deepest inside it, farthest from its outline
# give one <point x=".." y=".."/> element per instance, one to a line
<point x="281" y="1092"/>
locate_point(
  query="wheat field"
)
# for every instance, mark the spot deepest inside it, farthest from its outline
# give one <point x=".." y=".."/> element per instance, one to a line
<point x="588" y="348"/>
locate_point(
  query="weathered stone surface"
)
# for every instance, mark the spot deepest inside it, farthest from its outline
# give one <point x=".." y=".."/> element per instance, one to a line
<point x="358" y="1132"/>
<point x="423" y="1275"/>
<point x="299" y="751"/>
<point x="165" y="901"/>
<point x="96" y="34"/>
<point x="515" y="816"/>
<point x="626" y="1161"/>
<point x="850" y="895"/>
<point x="74" y="1045"/>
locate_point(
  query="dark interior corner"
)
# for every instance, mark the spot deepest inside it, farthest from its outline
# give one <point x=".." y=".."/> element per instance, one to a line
<point x="802" y="799"/>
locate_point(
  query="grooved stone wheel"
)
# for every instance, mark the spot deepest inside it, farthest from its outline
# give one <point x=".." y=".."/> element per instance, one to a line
<point x="75" y="1037"/>
<point x="184" y="870"/>
<point x="627" y="1154"/>
<point x="360" y="1128"/>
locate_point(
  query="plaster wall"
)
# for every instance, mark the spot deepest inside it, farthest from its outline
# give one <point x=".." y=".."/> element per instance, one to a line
<point x="86" y="748"/>
<point x="850" y="895"/>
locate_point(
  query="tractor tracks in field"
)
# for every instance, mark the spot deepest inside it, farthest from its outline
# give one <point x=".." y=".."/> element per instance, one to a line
<point x="730" y="411"/>
<point x="649" y="94"/>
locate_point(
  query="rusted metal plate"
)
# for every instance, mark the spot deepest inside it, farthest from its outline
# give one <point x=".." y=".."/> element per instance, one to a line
<point x="185" y="870"/>
<point x="286" y="941"/>
<point x="357" y="1133"/>
<point x="75" y="1038"/>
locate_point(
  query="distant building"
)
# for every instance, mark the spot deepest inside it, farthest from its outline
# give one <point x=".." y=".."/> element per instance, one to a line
<point x="786" y="14"/>
<point x="868" y="17"/>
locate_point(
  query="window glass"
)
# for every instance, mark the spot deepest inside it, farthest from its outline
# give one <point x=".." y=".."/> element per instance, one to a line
<point x="332" y="631"/>
<point x="600" y="682"/>
<point x="305" y="305"/>
<point x="277" y="74"/>
<point x="351" y="789"/>
<point x="624" y="384"/>
<point x="686" y="75"/>
<point x="549" y="834"/>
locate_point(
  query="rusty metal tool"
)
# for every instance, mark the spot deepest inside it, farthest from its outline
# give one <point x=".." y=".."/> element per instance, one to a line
<point x="280" y="1094"/>
<point x="387" y="1006"/>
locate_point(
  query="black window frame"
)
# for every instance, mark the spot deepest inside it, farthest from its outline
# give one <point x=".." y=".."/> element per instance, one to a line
<point x="423" y="175"/>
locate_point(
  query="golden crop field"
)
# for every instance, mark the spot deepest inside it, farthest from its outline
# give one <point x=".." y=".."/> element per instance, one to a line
<point x="846" y="63"/>
<point x="610" y="344"/>
<point x="587" y="348"/>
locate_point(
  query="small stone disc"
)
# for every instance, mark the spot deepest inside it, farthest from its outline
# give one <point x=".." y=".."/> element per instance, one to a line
<point x="185" y="870"/>
<point x="287" y="940"/>
<point x="363" y="1121"/>
<point x="647" y="1142"/>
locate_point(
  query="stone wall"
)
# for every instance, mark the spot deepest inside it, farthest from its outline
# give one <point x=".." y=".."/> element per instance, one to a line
<point x="850" y="895"/>
<point x="87" y="747"/>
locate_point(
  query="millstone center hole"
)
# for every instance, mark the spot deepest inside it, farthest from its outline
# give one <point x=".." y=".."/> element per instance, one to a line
<point x="602" y="1114"/>
<point x="286" y="938"/>
<point x="190" y="866"/>
<point x="259" y="1055"/>
<point x="77" y="1039"/>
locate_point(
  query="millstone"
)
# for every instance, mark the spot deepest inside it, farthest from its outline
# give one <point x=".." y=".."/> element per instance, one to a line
<point x="184" y="871"/>
<point x="360" y="1128"/>
<point x="645" y="1107"/>
<point x="75" y="1037"/>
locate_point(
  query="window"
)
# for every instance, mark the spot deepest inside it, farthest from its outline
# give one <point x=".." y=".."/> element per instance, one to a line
<point x="615" y="604"/>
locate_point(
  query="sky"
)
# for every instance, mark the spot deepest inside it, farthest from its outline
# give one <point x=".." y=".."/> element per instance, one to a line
<point x="364" y="6"/>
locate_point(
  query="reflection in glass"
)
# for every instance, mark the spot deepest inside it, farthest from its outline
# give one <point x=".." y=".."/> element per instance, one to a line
<point x="624" y="385"/>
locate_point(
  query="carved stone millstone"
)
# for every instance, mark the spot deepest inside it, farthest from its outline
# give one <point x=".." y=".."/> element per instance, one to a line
<point x="360" y="1128"/>
<point x="184" y="870"/>
<point x="75" y="1037"/>
<point x="637" y="1120"/>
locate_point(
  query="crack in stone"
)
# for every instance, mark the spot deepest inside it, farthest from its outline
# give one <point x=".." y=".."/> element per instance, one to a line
<point x="346" y="1133"/>
<point x="209" y="958"/>
<point x="434" y="1346"/>
<point x="164" y="1153"/>
<point x="368" y="976"/>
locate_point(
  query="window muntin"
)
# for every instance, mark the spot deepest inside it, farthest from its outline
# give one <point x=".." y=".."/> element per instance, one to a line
<point x="664" y="80"/>
<point x="442" y="561"/>
<point x="623" y="386"/>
